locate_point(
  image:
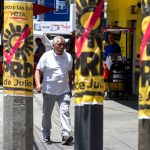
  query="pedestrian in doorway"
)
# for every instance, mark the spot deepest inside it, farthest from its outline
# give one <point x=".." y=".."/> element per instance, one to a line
<point x="56" y="66"/>
<point x="40" y="50"/>
<point x="70" y="48"/>
<point x="112" y="47"/>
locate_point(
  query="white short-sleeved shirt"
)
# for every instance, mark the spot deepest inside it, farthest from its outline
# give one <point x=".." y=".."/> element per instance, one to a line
<point x="55" y="70"/>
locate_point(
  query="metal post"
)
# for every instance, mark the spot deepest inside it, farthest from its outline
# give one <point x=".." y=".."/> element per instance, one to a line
<point x="1" y="20"/>
<point x="88" y="76"/>
<point x="144" y="82"/>
<point x="18" y="75"/>
<point x="1" y="15"/>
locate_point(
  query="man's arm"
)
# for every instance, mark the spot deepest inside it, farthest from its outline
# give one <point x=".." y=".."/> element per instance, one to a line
<point x="37" y="80"/>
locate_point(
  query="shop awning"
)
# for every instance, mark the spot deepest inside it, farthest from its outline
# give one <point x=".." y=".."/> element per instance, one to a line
<point x="41" y="9"/>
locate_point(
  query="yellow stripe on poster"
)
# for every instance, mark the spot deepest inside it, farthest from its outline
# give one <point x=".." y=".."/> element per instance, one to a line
<point x="144" y="114"/>
<point x="91" y="100"/>
<point x="144" y="102"/>
<point x="18" y="48"/>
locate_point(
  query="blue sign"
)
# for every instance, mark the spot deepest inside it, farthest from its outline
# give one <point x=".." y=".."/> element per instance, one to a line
<point x="61" y="12"/>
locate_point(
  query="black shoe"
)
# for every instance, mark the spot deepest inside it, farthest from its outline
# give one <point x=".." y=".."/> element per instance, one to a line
<point x="46" y="139"/>
<point x="66" y="140"/>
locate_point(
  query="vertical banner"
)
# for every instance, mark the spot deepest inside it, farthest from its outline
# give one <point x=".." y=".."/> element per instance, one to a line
<point x="18" y="48"/>
<point x="89" y="84"/>
<point x="144" y="83"/>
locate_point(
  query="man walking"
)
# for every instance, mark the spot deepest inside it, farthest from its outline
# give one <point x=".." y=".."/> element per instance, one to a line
<point x="56" y="66"/>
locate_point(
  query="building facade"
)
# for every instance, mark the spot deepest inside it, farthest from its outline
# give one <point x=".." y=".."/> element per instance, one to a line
<point x="127" y="14"/>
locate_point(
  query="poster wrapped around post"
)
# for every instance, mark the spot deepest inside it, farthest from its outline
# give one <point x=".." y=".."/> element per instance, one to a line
<point x="18" y="48"/>
<point x="144" y="81"/>
<point x="89" y="85"/>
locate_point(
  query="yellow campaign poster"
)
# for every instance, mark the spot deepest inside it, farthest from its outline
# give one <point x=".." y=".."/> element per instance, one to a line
<point x="89" y="84"/>
<point x="144" y="82"/>
<point x="18" y="48"/>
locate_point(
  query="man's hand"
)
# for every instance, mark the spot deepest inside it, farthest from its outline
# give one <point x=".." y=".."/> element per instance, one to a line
<point x="39" y="89"/>
<point x="70" y="93"/>
<point x="37" y="80"/>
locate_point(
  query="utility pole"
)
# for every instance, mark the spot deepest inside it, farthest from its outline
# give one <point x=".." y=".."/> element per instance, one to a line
<point x="18" y="75"/>
<point x="1" y="15"/>
<point x="88" y="76"/>
<point x="1" y="19"/>
<point x="144" y="83"/>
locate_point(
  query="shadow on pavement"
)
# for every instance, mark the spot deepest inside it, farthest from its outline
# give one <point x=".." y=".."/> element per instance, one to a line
<point x="54" y="142"/>
<point x="131" y="102"/>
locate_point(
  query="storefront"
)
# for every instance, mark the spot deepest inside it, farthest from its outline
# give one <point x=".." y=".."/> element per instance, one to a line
<point x="130" y="43"/>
